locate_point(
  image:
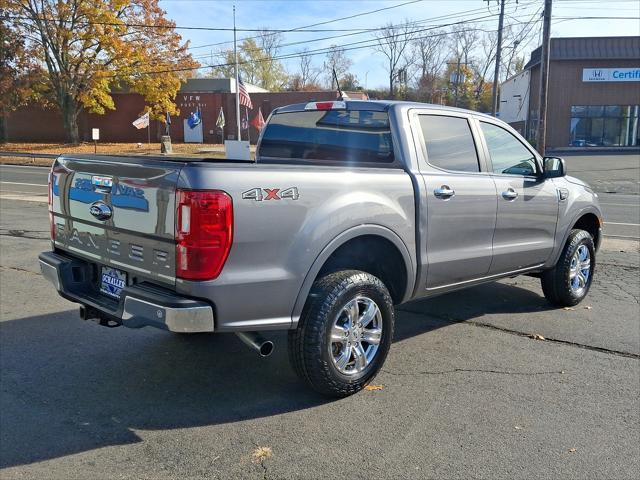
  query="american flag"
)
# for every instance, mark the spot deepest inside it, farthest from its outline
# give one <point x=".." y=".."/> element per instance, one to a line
<point x="245" y="99"/>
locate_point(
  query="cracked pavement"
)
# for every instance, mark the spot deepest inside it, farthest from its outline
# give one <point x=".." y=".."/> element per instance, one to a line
<point x="466" y="391"/>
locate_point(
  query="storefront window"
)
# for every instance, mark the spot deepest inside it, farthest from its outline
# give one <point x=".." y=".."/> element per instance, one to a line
<point x="605" y="126"/>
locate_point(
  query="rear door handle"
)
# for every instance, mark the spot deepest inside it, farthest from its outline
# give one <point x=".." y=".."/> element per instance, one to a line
<point x="510" y="194"/>
<point x="444" y="192"/>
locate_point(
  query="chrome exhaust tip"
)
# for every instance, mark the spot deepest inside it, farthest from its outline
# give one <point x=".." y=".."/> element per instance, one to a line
<point x="257" y="342"/>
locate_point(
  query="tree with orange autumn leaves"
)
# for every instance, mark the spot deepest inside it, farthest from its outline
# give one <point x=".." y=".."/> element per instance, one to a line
<point x="87" y="48"/>
<point x="21" y="79"/>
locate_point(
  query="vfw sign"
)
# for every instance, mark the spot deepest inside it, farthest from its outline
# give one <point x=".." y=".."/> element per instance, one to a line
<point x="611" y="74"/>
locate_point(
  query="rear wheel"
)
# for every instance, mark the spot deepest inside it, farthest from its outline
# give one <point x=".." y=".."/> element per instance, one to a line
<point x="569" y="281"/>
<point x="344" y="333"/>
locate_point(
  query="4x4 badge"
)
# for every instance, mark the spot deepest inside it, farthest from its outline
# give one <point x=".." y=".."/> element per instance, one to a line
<point x="260" y="194"/>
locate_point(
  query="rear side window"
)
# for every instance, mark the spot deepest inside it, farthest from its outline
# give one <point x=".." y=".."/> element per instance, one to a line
<point x="346" y="136"/>
<point x="449" y="143"/>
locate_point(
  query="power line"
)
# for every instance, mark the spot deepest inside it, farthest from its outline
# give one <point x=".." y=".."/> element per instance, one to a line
<point x="321" y="51"/>
<point x="222" y="29"/>
<point x="302" y="42"/>
<point x="176" y="27"/>
<point x="356" y="31"/>
<point x="416" y="23"/>
<point x="349" y="17"/>
<point x="526" y="30"/>
<point x="369" y="43"/>
<point x="597" y="18"/>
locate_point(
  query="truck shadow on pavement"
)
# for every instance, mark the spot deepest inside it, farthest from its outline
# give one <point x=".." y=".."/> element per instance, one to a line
<point x="69" y="386"/>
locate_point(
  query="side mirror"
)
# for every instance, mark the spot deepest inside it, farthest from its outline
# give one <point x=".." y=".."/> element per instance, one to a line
<point x="554" y="167"/>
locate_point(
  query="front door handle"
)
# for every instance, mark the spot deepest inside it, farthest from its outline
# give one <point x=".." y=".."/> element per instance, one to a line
<point x="510" y="194"/>
<point x="444" y="192"/>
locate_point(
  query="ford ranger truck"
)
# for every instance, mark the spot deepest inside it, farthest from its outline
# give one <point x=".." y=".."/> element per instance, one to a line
<point x="350" y="208"/>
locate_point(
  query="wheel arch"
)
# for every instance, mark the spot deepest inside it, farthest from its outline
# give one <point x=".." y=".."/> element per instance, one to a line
<point x="589" y="214"/>
<point x="346" y="246"/>
<point x="590" y="222"/>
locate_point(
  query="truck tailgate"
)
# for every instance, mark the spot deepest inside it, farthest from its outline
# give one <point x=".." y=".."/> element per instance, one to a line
<point x="117" y="212"/>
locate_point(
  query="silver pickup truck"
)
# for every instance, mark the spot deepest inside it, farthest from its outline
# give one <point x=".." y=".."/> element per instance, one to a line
<point x="350" y="208"/>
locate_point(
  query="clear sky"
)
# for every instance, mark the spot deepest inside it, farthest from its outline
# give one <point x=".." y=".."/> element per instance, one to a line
<point x="368" y="65"/>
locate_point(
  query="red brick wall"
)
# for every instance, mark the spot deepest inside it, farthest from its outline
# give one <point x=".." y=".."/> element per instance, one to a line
<point x="35" y="124"/>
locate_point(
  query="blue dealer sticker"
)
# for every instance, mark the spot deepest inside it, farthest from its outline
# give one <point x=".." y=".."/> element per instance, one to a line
<point x="112" y="281"/>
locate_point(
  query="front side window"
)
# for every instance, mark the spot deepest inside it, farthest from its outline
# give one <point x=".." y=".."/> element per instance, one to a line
<point x="508" y="155"/>
<point x="449" y="143"/>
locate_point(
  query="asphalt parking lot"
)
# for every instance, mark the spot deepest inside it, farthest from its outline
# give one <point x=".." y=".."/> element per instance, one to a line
<point x="467" y="390"/>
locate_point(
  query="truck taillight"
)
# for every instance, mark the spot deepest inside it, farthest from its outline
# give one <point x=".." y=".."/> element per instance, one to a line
<point x="331" y="105"/>
<point x="204" y="233"/>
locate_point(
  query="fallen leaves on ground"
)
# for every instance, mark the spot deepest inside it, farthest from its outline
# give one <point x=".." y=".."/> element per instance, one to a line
<point x="261" y="453"/>
<point x="106" y="147"/>
<point x="572" y="450"/>
<point x="535" y="336"/>
<point x="371" y="388"/>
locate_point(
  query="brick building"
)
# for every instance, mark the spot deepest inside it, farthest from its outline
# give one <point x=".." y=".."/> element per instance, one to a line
<point x="37" y="124"/>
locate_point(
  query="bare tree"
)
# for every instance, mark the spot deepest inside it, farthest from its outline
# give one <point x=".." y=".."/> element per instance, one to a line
<point x="336" y="60"/>
<point x="463" y="43"/>
<point x="515" y="43"/>
<point x="482" y="64"/>
<point x="429" y="53"/>
<point x="514" y="46"/>
<point x="269" y="42"/>
<point x="394" y="43"/>
<point x="308" y="73"/>
<point x="430" y="57"/>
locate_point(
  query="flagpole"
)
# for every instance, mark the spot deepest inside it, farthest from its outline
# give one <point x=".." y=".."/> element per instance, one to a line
<point x="235" y="55"/>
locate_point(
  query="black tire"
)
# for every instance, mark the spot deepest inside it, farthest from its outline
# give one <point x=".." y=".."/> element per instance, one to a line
<point x="309" y="344"/>
<point x="556" y="282"/>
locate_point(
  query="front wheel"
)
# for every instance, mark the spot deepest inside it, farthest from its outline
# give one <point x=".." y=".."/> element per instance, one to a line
<point x="344" y="333"/>
<point x="568" y="282"/>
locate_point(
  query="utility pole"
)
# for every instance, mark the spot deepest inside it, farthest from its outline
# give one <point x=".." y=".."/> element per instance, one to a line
<point x="545" y="50"/>
<point x="235" y="57"/>
<point x="496" y="74"/>
<point x="457" y="81"/>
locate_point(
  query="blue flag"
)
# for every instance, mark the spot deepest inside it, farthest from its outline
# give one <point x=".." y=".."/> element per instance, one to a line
<point x="195" y="118"/>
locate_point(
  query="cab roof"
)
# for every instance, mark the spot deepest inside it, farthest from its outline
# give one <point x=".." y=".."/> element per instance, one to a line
<point x="379" y="106"/>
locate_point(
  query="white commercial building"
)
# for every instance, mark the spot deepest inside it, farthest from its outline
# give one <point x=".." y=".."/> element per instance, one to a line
<point x="514" y="101"/>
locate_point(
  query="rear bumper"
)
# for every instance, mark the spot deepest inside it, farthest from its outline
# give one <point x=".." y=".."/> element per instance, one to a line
<point x="139" y="306"/>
